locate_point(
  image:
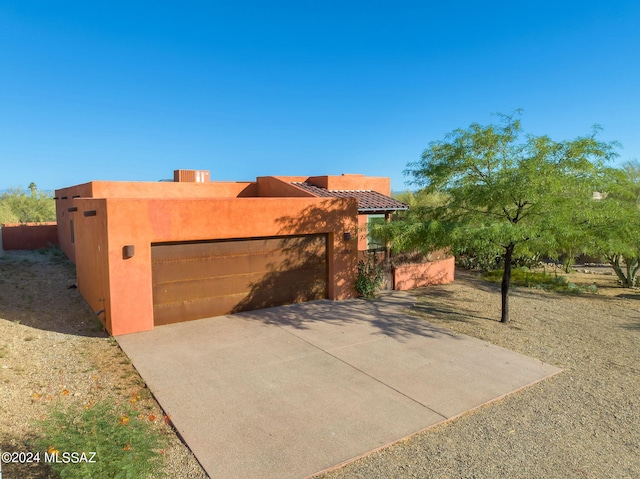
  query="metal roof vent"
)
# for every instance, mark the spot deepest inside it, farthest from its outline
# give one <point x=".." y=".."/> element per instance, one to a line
<point x="191" y="176"/>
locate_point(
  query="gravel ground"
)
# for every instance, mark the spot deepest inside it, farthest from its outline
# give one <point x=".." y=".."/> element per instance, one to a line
<point x="583" y="423"/>
<point x="53" y="349"/>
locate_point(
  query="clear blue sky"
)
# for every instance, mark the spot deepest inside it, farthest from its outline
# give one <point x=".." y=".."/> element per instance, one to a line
<point x="94" y="90"/>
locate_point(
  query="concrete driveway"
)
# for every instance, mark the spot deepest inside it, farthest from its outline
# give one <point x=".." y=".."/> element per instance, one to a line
<point x="291" y="391"/>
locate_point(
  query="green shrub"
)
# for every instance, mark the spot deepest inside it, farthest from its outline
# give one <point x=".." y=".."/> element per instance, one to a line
<point x="477" y="261"/>
<point x="370" y="277"/>
<point x="18" y="206"/>
<point x="536" y="279"/>
<point x="127" y="446"/>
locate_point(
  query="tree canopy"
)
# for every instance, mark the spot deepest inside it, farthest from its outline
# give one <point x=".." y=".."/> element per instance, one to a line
<point x="614" y="222"/>
<point x="502" y="193"/>
<point x="16" y="206"/>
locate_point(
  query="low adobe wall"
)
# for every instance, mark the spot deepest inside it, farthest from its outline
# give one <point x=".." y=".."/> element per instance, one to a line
<point x="410" y="276"/>
<point x="29" y="235"/>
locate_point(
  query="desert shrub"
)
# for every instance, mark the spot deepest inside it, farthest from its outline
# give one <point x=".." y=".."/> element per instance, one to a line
<point x="527" y="261"/>
<point x="127" y="445"/>
<point x="370" y="277"/>
<point x="537" y="279"/>
<point x="478" y="261"/>
<point x="6" y="213"/>
<point x="18" y="206"/>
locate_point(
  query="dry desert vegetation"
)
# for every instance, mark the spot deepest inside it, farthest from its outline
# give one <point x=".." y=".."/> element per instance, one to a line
<point x="54" y="350"/>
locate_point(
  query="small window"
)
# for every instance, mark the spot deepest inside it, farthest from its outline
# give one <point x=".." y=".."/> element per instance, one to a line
<point x="374" y="242"/>
<point x="73" y="234"/>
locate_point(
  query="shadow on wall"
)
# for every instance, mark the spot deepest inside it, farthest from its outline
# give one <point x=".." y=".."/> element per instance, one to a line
<point x="386" y="315"/>
<point x="297" y="272"/>
<point x="411" y="276"/>
<point x="303" y="269"/>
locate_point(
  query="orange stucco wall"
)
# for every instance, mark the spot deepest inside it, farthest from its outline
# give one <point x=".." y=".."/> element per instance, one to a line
<point x="280" y="186"/>
<point x="127" y="189"/>
<point x="263" y="187"/>
<point x="17" y="236"/>
<point x="410" y="276"/>
<point x="123" y="288"/>
<point x="161" y="189"/>
<point x="353" y="182"/>
<point x="343" y="182"/>
<point x="65" y="216"/>
<point x="274" y="186"/>
<point x="363" y="232"/>
<point x="92" y="254"/>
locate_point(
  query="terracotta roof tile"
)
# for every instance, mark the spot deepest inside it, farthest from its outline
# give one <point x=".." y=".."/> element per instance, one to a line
<point x="369" y="201"/>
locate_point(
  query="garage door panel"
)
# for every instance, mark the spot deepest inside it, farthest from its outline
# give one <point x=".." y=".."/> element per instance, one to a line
<point x="236" y="263"/>
<point x="193" y="309"/>
<point x="285" y="287"/>
<point x="201" y="268"/>
<point x="205" y="287"/>
<point x="196" y="280"/>
<point x="243" y="269"/>
<point x="291" y="286"/>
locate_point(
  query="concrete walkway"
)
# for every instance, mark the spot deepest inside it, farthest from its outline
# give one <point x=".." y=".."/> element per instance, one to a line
<point x="290" y="391"/>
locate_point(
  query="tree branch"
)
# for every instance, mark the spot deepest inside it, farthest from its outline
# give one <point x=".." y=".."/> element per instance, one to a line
<point x="504" y="208"/>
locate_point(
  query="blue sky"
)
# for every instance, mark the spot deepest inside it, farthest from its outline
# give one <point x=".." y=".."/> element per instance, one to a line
<point x="114" y="90"/>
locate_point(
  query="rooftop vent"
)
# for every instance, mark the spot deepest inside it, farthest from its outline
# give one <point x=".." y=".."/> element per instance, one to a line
<point x="191" y="176"/>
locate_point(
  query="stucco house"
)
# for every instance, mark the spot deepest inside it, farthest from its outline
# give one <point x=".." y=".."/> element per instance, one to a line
<point x="153" y="253"/>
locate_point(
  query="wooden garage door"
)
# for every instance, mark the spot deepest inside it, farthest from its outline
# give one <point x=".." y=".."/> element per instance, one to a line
<point x="201" y="279"/>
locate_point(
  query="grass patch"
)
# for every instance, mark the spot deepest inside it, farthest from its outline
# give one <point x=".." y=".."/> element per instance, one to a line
<point x="541" y="280"/>
<point x="126" y="442"/>
<point x="54" y="254"/>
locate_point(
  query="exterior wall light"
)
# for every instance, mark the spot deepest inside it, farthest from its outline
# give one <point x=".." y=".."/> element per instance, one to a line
<point x="128" y="251"/>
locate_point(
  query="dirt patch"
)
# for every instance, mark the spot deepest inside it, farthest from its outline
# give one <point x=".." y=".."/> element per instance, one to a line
<point x="53" y="349"/>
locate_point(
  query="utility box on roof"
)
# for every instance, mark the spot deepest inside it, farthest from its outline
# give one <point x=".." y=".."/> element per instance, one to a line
<point x="191" y="176"/>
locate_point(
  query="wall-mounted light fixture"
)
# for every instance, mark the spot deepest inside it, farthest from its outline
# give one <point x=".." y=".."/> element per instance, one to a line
<point x="128" y="251"/>
<point x="347" y="235"/>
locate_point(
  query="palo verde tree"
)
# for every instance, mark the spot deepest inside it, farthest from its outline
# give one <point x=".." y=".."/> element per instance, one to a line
<point x="503" y="193"/>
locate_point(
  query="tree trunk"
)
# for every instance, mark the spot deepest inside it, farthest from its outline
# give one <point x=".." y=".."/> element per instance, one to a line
<point x="506" y="280"/>
<point x="625" y="280"/>
<point x="633" y="265"/>
<point x="568" y="262"/>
